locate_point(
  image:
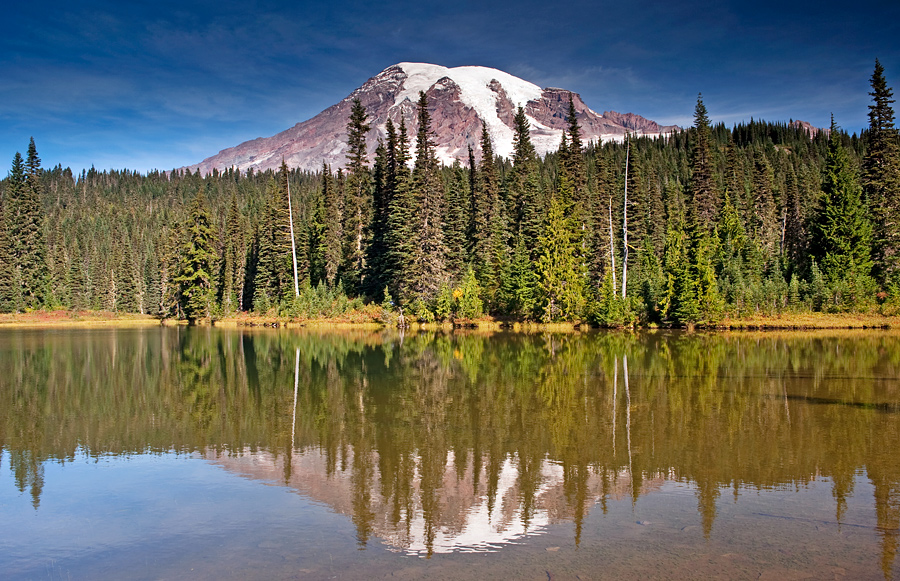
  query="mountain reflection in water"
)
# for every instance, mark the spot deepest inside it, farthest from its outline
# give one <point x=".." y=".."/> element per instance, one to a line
<point x="463" y="442"/>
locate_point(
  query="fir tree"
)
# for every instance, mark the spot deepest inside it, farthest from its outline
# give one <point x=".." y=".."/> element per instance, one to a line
<point x="429" y="262"/>
<point x="10" y="271"/>
<point x="881" y="179"/>
<point x="559" y="266"/>
<point x="704" y="195"/>
<point x="525" y="185"/>
<point x="357" y="201"/>
<point x="456" y="220"/>
<point x="486" y="219"/>
<point x="331" y="240"/>
<point x="401" y="238"/>
<point x="232" y="263"/>
<point x="375" y="253"/>
<point x="28" y="232"/>
<point x="842" y="232"/>
<point x="195" y="278"/>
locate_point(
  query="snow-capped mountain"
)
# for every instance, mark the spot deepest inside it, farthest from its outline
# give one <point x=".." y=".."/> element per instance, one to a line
<point x="459" y="98"/>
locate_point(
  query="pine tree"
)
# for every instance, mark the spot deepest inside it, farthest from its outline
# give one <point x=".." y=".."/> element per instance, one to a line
<point x="525" y="185"/>
<point x="10" y="270"/>
<point x="456" y="220"/>
<point x="842" y="234"/>
<point x="331" y="240"/>
<point x="195" y="276"/>
<point x="269" y="265"/>
<point x="486" y="219"/>
<point x="401" y="238"/>
<point x="429" y="262"/>
<point x="559" y="266"/>
<point x="764" y="220"/>
<point x="375" y="253"/>
<point x="704" y="194"/>
<point x="572" y="159"/>
<point x="126" y="285"/>
<point x="357" y="202"/>
<point x="28" y="233"/>
<point x="881" y="179"/>
<point x="232" y="263"/>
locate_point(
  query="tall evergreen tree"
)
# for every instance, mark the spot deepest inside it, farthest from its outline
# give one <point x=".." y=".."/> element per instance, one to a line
<point x="357" y="201"/>
<point x="704" y="194"/>
<point x="375" y="253"/>
<point x="232" y="262"/>
<point x="456" y="220"/>
<point x="28" y="231"/>
<point x="401" y="238"/>
<point x="429" y="263"/>
<point x="486" y="219"/>
<point x="331" y="240"/>
<point x="525" y="185"/>
<point x="559" y="266"/>
<point x="195" y="277"/>
<point x="842" y="232"/>
<point x="10" y="269"/>
<point x="881" y="179"/>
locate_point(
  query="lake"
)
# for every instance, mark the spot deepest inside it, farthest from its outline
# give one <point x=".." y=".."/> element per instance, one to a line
<point x="210" y="453"/>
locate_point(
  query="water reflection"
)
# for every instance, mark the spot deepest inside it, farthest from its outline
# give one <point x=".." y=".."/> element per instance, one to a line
<point x="451" y="442"/>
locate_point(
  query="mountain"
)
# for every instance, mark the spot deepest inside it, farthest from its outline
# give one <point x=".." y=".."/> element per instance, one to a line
<point x="460" y="98"/>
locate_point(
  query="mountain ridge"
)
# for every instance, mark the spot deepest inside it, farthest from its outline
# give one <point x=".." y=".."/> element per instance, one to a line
<point x="460" y="99"/>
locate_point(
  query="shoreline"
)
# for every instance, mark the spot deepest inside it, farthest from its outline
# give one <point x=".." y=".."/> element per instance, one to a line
<point x="104" y="319"/>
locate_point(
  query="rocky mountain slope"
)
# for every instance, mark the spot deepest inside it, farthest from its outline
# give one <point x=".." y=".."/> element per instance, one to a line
<point x="459" y="98"/>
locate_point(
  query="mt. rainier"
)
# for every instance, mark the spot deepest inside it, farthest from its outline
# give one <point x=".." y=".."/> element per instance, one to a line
<point x="459" y="99"/>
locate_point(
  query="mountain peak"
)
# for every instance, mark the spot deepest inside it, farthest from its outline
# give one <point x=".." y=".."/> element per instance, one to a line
<point x="460" y="100"/>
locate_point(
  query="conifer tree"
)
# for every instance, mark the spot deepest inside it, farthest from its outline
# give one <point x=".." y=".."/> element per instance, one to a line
<point x="375" y="253"/>
<point x="195" y="276"/>
<point x="126" y="285"/>
<point x="10" y="271"/>
<point x="559" y="266"/>
<point x="333" y="234"/>
<point x="795" y="230"/>
<point x="525" y="185"/>
<point x="401" y="238"/>
<point x="572" y="159"/>
<point x="842" y="233"/>
<point x="357" y="201"/>
<point x="75" y="279"/>
<point x="704" y="194"/>
<point x="764" y="220"/>
<point x="232" y="263"/>
<point x="273" y="263"/>
<point x="486" y="220"/>
<point x="456" y="220"/>
<point x="28" y="233"/>
<point x="881" y="179"/>
<point x="429" y="262"/>
<point x="519" y="286"/>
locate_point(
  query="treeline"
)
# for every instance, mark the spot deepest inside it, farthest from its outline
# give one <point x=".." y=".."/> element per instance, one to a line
<point x="682" y="230"/>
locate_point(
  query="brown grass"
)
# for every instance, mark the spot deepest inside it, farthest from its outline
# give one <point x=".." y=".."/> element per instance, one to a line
<point x="813" y="321"/>
<point x="62" y="318"/>
<point x="365" y="320"/>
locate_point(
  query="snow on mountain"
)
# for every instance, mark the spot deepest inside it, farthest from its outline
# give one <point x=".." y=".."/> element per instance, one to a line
<point x="460" y="99"/>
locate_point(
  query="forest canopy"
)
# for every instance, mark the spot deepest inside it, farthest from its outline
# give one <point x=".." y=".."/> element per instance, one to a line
<point x="682" y="229"/>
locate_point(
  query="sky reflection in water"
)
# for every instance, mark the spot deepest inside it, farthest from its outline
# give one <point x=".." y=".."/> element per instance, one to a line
<point x="181" y="452"/>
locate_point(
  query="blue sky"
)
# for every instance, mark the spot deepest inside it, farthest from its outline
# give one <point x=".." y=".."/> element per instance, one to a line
<point x="128" y="85"/>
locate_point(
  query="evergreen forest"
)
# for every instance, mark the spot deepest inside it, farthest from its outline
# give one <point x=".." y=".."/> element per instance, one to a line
<point x="681" y="230"/>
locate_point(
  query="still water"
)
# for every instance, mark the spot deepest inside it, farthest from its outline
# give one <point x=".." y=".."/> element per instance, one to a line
<point x="210" y="454"/>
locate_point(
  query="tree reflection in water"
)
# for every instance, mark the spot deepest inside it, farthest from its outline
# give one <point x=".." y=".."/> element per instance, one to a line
<point x="438" y="442"/>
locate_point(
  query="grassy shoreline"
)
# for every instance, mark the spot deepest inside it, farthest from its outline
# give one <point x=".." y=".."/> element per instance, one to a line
<point x="86" y="319"/>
